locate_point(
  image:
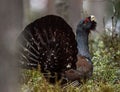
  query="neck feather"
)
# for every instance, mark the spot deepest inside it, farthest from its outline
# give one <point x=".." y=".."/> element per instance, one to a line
<point x="82" y="41"/>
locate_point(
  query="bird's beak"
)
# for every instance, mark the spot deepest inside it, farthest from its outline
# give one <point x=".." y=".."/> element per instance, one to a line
<point x="92" y="17"/>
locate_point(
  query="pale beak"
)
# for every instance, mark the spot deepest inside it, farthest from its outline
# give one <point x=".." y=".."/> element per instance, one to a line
<point x="92" y="17"/>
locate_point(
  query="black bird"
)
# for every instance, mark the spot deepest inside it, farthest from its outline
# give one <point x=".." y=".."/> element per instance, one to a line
<point x="51" y="43"/>
<point x="84" y="64"/>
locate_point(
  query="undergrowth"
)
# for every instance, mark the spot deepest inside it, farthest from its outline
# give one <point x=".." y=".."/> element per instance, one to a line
<point x="106" y="75"/>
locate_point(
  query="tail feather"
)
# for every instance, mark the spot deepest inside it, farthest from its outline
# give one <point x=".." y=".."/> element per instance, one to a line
<point x="50" y="42"/>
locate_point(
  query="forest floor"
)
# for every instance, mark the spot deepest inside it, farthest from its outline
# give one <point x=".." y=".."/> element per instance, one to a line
<point x="106" y="74"/>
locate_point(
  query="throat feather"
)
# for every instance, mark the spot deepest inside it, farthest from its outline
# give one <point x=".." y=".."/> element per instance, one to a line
<point x="82" y="43"/>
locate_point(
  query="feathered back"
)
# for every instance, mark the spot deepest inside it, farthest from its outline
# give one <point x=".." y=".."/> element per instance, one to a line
<point x="50" y="42"/>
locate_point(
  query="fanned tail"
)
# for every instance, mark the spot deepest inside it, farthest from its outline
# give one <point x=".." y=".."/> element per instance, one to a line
<point x="49" y="42"/>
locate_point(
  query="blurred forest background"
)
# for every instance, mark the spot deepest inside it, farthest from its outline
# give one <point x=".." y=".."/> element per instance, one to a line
<point x="104" y="43"/>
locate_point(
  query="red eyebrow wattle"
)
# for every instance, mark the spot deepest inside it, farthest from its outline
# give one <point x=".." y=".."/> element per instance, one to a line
<point x="86" y="20"/>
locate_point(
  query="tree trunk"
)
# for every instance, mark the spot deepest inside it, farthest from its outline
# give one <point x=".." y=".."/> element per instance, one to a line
<point x="11" y="14"/>
<point x="75" y="12"/>
<point x="97" y="8"/>
<point x="51" y="7"/>
<point x="70" y="10"/>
